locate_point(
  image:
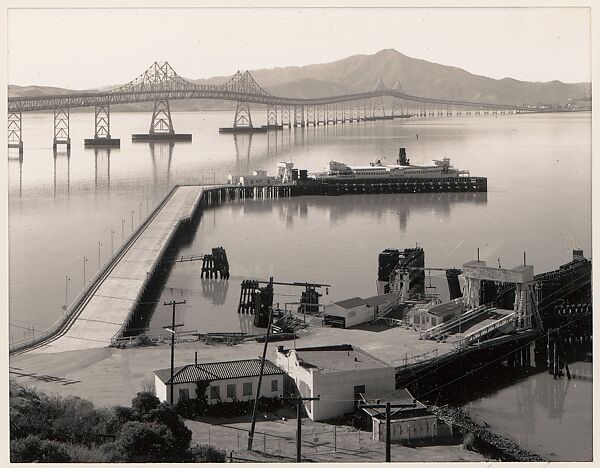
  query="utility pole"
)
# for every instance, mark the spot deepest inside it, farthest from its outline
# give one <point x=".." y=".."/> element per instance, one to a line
<point x="299" y="399"/>
<point x="388" y="421"/>
<point x="260" y="375"/>
<point x="171" y="330"/>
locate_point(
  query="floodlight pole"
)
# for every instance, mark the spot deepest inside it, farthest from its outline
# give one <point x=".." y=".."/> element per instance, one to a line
<point x="172" y="330"/>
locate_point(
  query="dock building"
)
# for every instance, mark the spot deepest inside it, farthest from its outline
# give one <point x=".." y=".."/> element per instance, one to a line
<point x="356" y="310"/>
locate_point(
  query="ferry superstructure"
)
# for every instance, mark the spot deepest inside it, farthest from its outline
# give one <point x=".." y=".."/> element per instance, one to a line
<point x="376" y="171"/>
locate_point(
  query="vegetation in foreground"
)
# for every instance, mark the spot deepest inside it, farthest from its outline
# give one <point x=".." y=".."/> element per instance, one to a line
<point x="54" y="429"/>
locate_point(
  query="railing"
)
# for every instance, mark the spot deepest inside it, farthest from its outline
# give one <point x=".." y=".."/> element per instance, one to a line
<point x="477" y="335"/>
<point x="156" y="261"/>
<point x="79" y="299"/>
<point x="415" y="359"/>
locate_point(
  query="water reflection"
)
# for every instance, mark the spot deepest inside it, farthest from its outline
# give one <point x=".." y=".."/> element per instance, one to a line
<point x="243" y="145"/>
<point x="540" y="408"/>
<point x="215" y="290"/>
<point x="104" y="155"/>
<point x="59" y="159"/>
<point x="379" y="206"/>
<point x="18" y="159"/>
<point x="161" y="155"/>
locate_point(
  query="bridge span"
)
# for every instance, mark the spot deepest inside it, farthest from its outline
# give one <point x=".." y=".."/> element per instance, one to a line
<point x="160" y="84"/>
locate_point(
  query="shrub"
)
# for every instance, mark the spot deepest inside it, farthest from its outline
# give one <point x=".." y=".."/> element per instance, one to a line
<point x="143" y="340"/>
<point x="208" y="454"/>
<point x="110" y="452"/>
<point x="145" y="441"/>
<point x="78" y="422"/>
<point x="143" y="402"/>
<point x="32" y="449"/>
<point x="165" y="414"/>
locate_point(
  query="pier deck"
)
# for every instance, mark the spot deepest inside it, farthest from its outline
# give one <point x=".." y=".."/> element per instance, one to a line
<point x="115" y="293"/>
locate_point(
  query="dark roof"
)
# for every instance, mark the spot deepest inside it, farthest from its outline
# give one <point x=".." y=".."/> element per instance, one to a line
<point x="370" y="301"/>
<point x="381" y="299"/>
<point x="443" y="310"/>
<point x="350" y="303"/>
<point x="217" y="371"/>
<point x="401" y="396"/>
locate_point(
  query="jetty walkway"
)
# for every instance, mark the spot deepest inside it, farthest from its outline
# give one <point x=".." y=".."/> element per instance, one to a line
<point x="104" y="307"/>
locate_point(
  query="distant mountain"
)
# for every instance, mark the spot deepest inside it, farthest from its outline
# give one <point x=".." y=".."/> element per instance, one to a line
<point x="359" y="73"/>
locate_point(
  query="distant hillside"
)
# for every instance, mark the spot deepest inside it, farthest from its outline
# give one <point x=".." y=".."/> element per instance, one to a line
<point x="359" y="73"/>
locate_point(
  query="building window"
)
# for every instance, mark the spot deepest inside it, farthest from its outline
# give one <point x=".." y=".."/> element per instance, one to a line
<point x="215" y="393"/>
<point x="247" y="389"/>
<point x="231" y="391"/>
<point x="274" y="385"/>
<point x="184" y="394"/>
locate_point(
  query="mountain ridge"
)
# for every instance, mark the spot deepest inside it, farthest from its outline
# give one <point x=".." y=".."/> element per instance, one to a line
<point x="358" y="73"/>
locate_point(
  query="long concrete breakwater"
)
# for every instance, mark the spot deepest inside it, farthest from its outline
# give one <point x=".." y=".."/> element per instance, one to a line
<point x="102" y="310"/>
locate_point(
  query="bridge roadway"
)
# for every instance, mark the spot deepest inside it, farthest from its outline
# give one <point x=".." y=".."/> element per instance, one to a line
<point x="108" y="302"/>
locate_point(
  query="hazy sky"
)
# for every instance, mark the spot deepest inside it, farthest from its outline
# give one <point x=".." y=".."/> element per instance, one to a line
<point x="89" y="47"/>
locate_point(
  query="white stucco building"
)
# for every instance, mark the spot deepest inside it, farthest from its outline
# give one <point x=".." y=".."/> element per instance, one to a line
<point x="228" y="381"/>
<point x="338" y="374"/>
<point x="357" y="310"/>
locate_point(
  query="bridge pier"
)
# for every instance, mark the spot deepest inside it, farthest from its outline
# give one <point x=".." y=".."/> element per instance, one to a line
<point x="310" y="117"/>
<point x="15" y="136"/>
<point x="272" y="118"/>
<point x="161" y="126"/>
<point x="285" y="117"/>
<point x="61" y="128"/>
<point x="242" y="121"/>
<point x="299" y="116"/>
<point x="102" y="136"/>
<point x="321" y="116"/>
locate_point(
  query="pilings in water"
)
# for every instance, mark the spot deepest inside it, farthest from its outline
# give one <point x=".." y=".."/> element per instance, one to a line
<point x="248" y="290"/>
<point x="218" y="195"/>
<point x="215" y="264"/>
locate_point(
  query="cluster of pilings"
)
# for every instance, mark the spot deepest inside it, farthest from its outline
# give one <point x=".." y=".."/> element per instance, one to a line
<point x="215" y="264"/>
<point x="218" y="195"/>
<point x="248" y="290"/>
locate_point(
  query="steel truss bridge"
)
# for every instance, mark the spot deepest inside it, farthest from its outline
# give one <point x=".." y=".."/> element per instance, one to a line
<point x="160" y="84"/>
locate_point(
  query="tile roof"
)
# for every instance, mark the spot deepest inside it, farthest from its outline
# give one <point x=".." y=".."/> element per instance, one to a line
<point x="217" y="371"/>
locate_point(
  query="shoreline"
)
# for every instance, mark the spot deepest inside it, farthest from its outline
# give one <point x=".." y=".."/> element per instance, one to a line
<point x="486" y="442"/>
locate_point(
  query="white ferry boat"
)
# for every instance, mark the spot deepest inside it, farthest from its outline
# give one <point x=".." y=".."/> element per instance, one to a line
<point x="401" y="170"/>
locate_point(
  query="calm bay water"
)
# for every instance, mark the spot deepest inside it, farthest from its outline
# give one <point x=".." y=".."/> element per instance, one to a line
<point x="60" y="209"/>
<point x="550" y="417"/>
<point x="539" y="199"/>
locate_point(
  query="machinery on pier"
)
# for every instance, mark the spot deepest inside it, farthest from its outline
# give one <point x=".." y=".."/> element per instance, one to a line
<point x="258" y="300"/>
